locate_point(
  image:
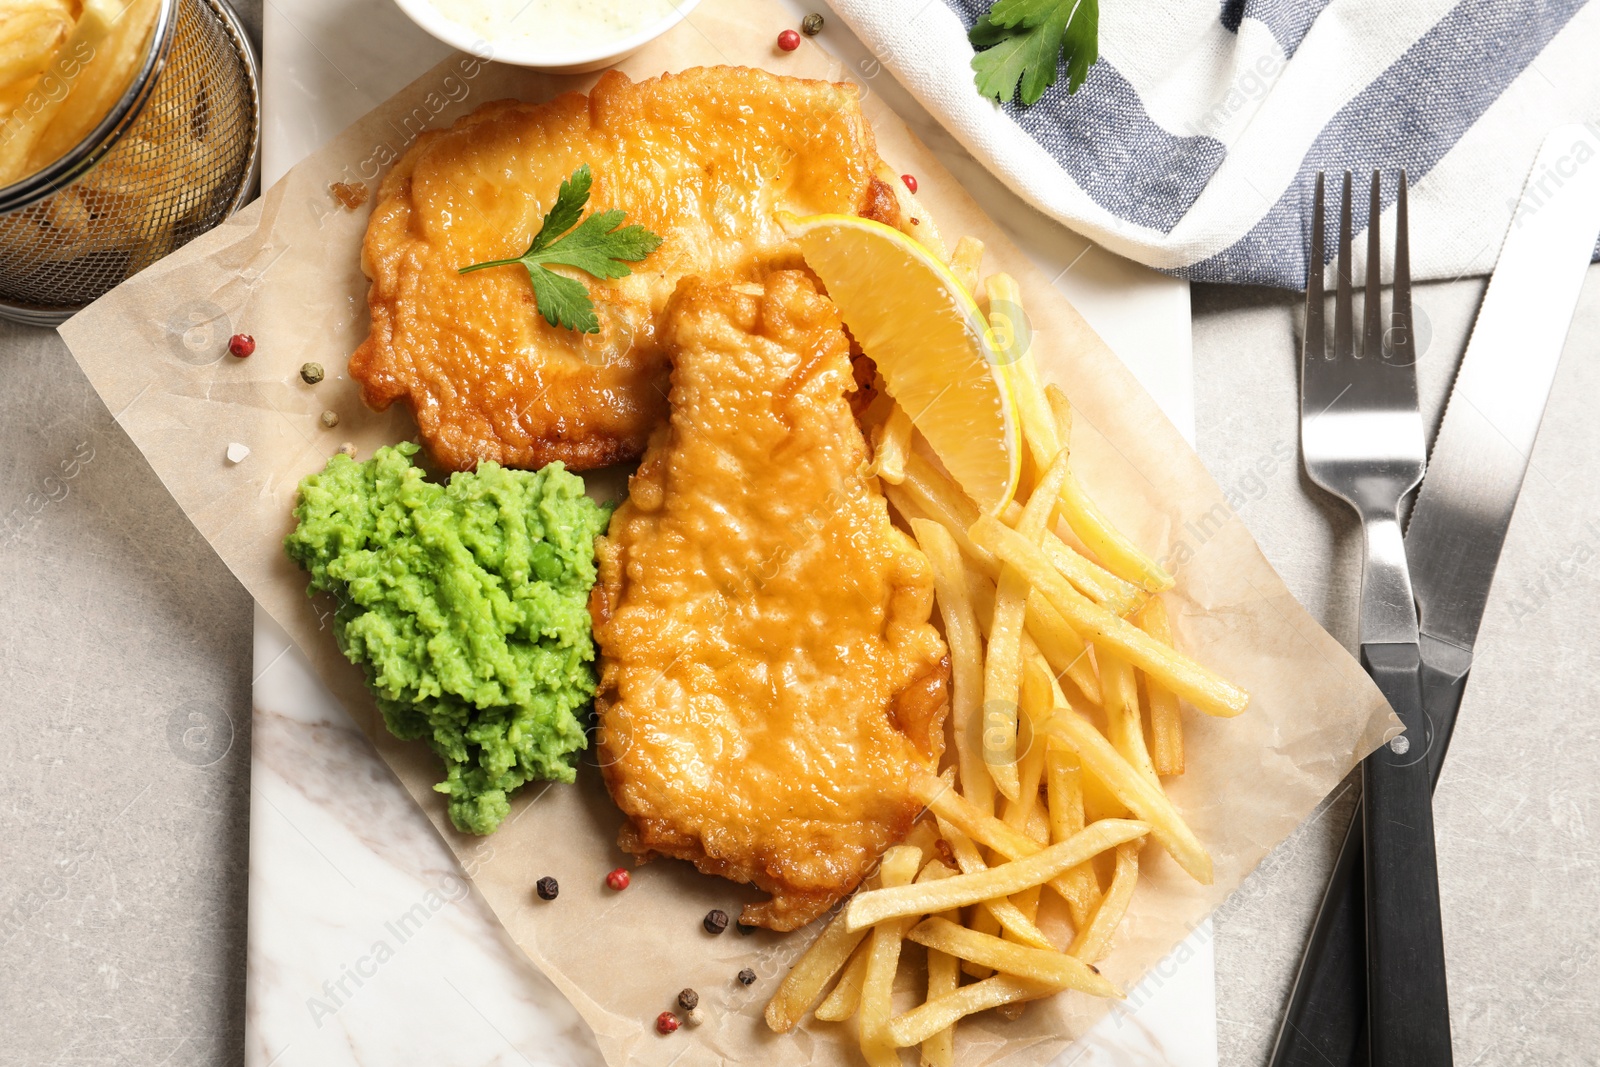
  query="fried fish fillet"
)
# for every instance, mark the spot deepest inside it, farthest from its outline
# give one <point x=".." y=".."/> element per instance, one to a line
<point x="769" y="678"/>
<point x="704" y="159"/>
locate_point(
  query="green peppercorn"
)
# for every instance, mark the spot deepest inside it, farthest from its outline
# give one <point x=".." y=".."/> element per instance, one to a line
<point x="311" y="373"/>
<point x="811" y="25"/>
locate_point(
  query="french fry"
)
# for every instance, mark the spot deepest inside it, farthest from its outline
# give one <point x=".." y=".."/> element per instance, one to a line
<point x="1046" y="434"/>
<point x="804" y="983"/>
<point x="966" y="657"/>
<point x="1037" y="707"/>
<point x="941" y="500"/>
<point x="944" y="978"/>
<point x="918" y="1023"/>
<point x="1005" y="913"/>
<point x="982" y="919"/>
<point x="891" y="443"/>
<point x="965" y="261"/>
<point x="1095" y="582"/>
<point x="883" y="956"/>
<point x="30" y="33"/>
<point x="845" y="998"/>
<point x="1026" y="902"/>
<point x="1145" y="801"/>
<point x="1120" y="555"/>
<point x="1038" y="427"/>
<point x="950" y="807"/>
<point x="1039" y="822"/>
<point x="1166" y="725"/>
<point x="1064" y="786"/>
<point x="1188" y="679"/>
<point x="1099" y="802"/>
<point x="1042" y="965"/>
<point x="1092" y="580"/>
<point x="891" y="902"/>
<point x="928" y="493"/>
<point x="118" y="50"/>
<point x="1094" y="940"/>
<point x="1001" y="673"/>
<point x="1003" y="662"/>
<point x="1124" y="723"/>
<point x="1043" y="631"/>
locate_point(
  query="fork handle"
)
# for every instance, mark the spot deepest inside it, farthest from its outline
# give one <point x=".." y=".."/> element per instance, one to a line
<point x="1325" y="1020"/>
<point x="1388" y="608"/>
<point x="1408" y="1006"/>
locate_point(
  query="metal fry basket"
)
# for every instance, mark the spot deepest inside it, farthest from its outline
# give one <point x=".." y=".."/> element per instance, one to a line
<point x="176" y="155"/>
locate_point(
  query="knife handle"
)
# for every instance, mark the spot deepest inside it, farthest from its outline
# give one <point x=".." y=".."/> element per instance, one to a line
<point x="1408" y="1005"/>
<point x="1444" y="681"/>
<point x="1324" y="1022"/>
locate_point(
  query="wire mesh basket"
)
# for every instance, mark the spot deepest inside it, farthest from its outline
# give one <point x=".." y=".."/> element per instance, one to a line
<point x="175" y="156"/>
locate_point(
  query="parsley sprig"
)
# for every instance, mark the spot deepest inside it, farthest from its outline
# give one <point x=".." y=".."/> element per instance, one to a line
<point x="1021" y="41"/>
<point x="599" y="246"/>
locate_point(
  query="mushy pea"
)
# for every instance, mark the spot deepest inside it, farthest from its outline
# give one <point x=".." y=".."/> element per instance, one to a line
<point x="465" y="603"/>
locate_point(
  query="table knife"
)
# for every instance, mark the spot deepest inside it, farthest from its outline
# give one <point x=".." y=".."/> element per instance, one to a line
<point x="1453" y="541"/>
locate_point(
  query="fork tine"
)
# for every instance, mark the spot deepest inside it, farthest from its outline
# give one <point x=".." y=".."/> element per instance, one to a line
<point x="1372" y="309"/>
<point x="1314" y="344"/>
<point x="1343" y="314"/>
<point x="1402" y="350"/>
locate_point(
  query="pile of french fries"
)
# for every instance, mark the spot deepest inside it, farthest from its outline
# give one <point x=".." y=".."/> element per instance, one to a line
<point x="63" y="65"/>
<point x="1065" y="716"/>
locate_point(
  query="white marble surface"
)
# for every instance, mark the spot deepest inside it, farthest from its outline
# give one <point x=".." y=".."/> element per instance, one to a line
<point x="366" y="944"/>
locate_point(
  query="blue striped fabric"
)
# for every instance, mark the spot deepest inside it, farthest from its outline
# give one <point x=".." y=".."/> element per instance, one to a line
<point x="1289" y="20"/>
<point x="1143" y="172"/>
<point x="1103" y="137"/>
<point x="1405" y="120"/>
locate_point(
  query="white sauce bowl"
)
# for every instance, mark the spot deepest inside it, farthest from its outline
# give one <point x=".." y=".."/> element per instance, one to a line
<point x="563" y="61"/>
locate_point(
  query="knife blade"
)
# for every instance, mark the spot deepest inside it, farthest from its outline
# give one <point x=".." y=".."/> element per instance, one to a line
<point x="1457" y="529"/>
<point x="1480" y="455"/>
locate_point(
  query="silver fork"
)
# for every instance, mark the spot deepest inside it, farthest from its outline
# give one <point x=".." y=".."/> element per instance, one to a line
<point x="1362" y="440"/>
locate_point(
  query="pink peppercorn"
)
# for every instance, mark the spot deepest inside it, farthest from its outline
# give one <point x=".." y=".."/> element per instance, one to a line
<point x="618" y="879"/>
<point x="789" y="40"/>
<point x="910" y="180"/>
<point x="241" y="345"/>
<point x="666" y="1022"/>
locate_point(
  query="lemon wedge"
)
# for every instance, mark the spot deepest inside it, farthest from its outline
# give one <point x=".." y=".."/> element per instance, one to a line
<point x="936" y="353"/>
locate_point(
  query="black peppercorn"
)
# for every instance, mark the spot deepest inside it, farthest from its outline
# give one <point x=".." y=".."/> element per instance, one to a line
<point x="747" y="976"/>
<point x="716" y="921"/>
<point x="743" y="929"/>
<point x="688" y="1000"/>
<point x="547" y="888"/>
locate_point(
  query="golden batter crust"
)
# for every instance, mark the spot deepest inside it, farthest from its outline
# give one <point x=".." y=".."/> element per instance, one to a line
<point x="704" y="158"/>
<point x="770" y="677"/>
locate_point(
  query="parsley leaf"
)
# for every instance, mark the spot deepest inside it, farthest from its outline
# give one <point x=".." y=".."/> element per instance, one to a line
<point x="1022" y="40"/>
<point x="599" y="246"/>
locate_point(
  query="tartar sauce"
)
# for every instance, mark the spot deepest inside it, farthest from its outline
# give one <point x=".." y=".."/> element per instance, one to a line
<point x="553" y="25"/>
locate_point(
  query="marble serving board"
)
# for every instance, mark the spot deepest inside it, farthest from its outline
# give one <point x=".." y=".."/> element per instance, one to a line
<point x="367" y="943"/>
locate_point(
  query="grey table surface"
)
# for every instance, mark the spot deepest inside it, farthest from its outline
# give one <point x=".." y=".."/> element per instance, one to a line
<point x="123" y="864"/>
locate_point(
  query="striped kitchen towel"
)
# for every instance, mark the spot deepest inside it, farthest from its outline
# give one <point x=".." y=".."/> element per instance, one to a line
<point x="1194" y="144"/>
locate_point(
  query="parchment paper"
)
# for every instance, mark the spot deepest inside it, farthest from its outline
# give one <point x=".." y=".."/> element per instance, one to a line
<point x="286" y="271"/>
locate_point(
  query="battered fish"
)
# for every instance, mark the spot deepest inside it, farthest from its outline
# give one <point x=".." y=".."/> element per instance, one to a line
<point x="704" y="159"/>
<point x="769" y="675"/>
